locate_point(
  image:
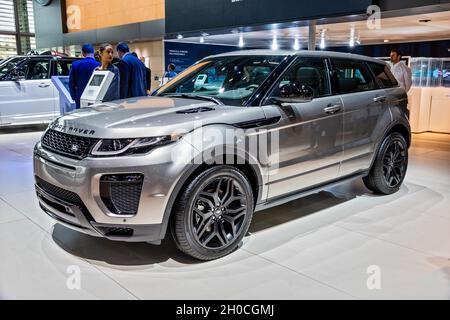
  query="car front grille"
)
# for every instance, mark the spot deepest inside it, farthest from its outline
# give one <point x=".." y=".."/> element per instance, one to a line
<point x="121" y="193"/>
<point x="68" y="145"/>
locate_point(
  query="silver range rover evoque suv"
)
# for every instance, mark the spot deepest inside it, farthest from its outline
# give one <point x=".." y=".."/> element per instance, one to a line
<point x="233" y="134"/>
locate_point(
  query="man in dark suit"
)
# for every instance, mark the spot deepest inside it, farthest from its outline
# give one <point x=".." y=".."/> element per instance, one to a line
<point x="148" y="75"/>
<point x="133" y="81"/>
<point x="81" y="72"/>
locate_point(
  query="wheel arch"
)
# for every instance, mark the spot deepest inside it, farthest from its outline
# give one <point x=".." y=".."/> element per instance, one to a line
<point x="251" y="171"/>
<point x="401" y="127"/>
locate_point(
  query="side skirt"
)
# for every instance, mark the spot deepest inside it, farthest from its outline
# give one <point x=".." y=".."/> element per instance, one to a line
<point x="273" y="202"/>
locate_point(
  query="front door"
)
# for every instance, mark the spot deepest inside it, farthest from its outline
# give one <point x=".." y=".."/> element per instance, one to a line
<point x="310" y="130"/>
<point x="28" y="96"/>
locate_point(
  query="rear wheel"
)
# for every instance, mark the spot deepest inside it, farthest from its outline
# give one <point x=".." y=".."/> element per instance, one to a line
<point x="389" y="169"/>
<point x="213" y="213"/>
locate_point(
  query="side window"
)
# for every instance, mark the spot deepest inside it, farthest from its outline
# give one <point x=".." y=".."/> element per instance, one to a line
<point x="383" y="74"/>
<point x="307" y="78"/>
<point x="7" y="65"/>
<point x="353" y="76"/>
<point x="35" y="69"/>
<point x="63" y="67"/>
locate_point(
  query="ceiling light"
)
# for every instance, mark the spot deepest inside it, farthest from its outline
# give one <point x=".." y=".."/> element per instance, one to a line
<point x="179" y="37"/>
<point x="352" y="38"/>
<point x="296" y="44"/>
<point x="275" y="43"/>
<point x="241" y="41"/>
<point x="202" y="39"/>
<point x="386" y="40"/>
<point x="322" y="39"/>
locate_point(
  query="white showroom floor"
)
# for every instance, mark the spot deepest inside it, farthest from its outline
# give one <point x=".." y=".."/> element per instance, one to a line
<point x="322" y="246"/>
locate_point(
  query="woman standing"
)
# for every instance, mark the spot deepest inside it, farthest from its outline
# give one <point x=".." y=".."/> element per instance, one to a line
<point x="107" y="55"/>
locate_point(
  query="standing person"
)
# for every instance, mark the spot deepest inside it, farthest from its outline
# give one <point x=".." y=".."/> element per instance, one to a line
<point x="169" y="75"/>
<point x="171" y="71"/>
<point x="148" y="75"/>
<point x="107" y="55"/>
<point x="132" y="74"/>
<point x="400" y="70"/>
<point x="81" y="72"/>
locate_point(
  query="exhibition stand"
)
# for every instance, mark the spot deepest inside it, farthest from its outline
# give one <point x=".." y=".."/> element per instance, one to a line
<point x="429" y="98"/>
<point x="66" y="103"/>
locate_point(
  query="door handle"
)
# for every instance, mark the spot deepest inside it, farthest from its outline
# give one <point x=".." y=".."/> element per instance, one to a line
<point x="333" y="109"/>
<point x="44" y="85"/>
<point x="379" y="99"/>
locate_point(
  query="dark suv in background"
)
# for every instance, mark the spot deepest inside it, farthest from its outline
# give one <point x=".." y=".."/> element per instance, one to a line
<point x="135" y="169"/>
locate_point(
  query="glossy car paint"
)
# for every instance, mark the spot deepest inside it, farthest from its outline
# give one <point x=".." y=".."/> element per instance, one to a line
<point x="316" y="146"/>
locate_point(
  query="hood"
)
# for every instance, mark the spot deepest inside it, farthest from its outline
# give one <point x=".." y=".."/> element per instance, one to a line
<point x="150" y="116"/>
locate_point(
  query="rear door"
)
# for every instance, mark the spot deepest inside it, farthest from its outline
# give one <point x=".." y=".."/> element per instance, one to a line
<point x="310" y="130"/>
<point x="364" y="111"/>
<point x="395" y="96"/>
<point x="28" y="96"/>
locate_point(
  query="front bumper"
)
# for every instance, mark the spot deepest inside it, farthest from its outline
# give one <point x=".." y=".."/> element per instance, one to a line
<point x="69" y="191"/>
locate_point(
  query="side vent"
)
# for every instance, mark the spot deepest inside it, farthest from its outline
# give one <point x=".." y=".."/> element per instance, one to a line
<point x="196" y="110"/>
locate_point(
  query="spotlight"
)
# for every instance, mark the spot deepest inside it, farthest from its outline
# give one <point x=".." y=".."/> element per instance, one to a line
<point x="296" y="44"/>
<point x="241" y="41"/>
<point x="275" y="43"/>
<point x="322" y="40"/>
<point x="352" y="38"/>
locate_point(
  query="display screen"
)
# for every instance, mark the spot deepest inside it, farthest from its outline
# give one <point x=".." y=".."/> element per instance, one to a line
<point x="97" y="80"/>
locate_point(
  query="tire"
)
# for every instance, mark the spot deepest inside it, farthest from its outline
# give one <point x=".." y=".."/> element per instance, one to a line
<point x="197" y="218"/>
<point x="389" y="169"/>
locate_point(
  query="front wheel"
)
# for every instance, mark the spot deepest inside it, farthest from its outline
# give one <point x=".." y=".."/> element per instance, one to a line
<point x="389" y="169"/>
<point x="213" y="213"/>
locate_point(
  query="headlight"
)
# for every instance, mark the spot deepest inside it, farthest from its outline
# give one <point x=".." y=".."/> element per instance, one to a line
<point x="112" y="147"/>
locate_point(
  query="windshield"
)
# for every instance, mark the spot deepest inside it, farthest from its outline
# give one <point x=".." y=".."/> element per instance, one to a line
<point x="232" y="80"/>
<point x="7" y="65"/>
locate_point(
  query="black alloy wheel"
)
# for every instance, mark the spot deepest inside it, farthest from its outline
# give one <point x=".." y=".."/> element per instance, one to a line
<point x="394" y="164"/>
<point x="219" y="212"/>
<point x="390" y="165"/>
<point x="213" y="213"/>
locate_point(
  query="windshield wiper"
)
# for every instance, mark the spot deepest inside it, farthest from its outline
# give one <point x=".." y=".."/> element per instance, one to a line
<point x="195" y="96"/>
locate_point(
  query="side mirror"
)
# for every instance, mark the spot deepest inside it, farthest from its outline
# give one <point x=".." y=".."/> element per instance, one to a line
<point x="295" y="94"/>
<point x="287" y="91"/>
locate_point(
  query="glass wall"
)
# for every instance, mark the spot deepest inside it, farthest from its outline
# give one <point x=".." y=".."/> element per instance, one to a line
<point x="16" y="27"/>
<point x="430" y="72"/>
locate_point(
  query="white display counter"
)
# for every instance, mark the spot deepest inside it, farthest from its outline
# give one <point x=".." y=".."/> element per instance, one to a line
<point x="429" y="109"/>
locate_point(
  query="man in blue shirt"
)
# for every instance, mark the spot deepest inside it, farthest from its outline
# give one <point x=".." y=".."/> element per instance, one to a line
<point x="171" y="72"/>
<point x="81" y="72"/>
<point x="133" y="82"/>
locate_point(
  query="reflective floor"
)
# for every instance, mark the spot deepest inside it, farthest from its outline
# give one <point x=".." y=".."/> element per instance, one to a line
<point x="343" y="243"/>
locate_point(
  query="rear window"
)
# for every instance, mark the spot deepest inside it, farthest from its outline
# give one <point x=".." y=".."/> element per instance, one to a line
<point x="383" y="75"/>
<point x="353" y="76"/>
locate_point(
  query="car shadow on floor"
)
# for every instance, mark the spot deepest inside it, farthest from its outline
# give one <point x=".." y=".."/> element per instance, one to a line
<point x="144" y="254"/>
<point x="297" y="209"/>
<point x="117" y="253"/>
<point x="125" y="254"/>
